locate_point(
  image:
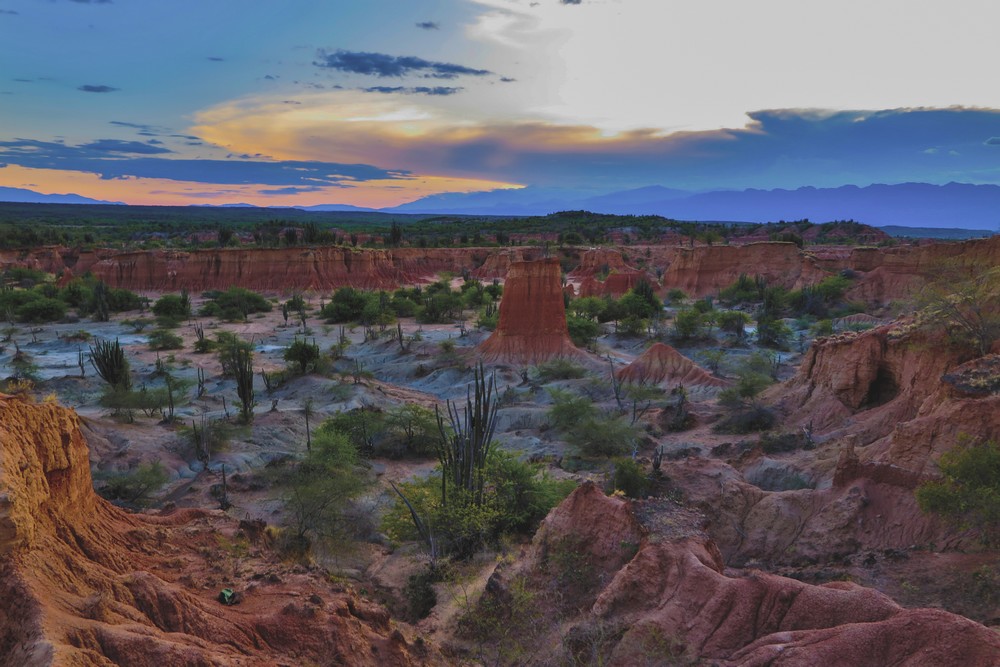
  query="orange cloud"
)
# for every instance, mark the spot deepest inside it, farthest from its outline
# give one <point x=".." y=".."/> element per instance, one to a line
<point x="163" y="192"/>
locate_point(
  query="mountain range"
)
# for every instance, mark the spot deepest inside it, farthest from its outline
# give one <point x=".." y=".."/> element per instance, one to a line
<point x="954" y="205"/>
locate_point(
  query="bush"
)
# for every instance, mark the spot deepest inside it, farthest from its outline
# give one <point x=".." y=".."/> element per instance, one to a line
<point x="689" y="323"/>
<point x="42" y="309"/>
<point x="630" y="478"/>
<point x="302" y="355"/>
<point x="969" y="489"/>
<point x="165" y="340"/>
<point x="134" y="487"/>
<point x="234" y="304"/>
<point x="559" y="369"/>
<point x="173" y="307"/>
<point x="517" y="497"/>
<point x="568" y="409"/>
<point x="583" y="331"/>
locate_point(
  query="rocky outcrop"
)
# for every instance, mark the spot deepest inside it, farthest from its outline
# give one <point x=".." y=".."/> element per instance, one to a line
<point x="658" y="593"/>
<point x="599" y="261"/>
<point x="662" y="364"/>
<point x="85" y="583"/>
<point x="306" y="268"/>
<point x="704" y="270"/>
<point x="532" y="323"/>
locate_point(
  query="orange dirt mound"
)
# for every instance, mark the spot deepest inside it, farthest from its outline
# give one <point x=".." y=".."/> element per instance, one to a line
<point x="85" y="583"/>
<point x="532" y="324"/>
<point x="663" y="364"/>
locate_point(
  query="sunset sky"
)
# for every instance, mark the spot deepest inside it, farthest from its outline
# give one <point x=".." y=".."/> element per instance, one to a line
<point x="380" y="102"/>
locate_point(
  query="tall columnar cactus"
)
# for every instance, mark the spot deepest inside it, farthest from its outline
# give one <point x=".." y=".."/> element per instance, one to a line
<point x="243" y="367"/>
<point x="111" y="364"/>
<point x="464" y="449"/>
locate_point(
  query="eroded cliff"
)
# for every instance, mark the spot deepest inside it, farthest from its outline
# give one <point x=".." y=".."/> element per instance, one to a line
<point x="85" y="583"/>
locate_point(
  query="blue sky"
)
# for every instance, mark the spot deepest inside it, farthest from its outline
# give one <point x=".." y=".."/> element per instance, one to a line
<point x="381" y="102"/>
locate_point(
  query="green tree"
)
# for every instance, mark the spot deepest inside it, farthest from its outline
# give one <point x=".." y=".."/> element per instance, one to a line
<point x="303" y="355"/>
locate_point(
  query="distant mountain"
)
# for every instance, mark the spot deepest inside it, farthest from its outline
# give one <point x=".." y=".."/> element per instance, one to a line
<point x="23" y="196"/>
<point x="523" y="201"/>
<point x="337" y="207"/>
<point x="955" y="205"/>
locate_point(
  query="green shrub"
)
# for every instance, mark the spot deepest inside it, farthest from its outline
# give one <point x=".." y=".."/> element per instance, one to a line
<point x="42" y="309"/>
<point x="165" y="340"/>
<point x="234" y="304"/>
<point x="559" y="369"/>
<point x="969" y="489"/>
<point x="302" y="355"/>
<point x="630" y="478"/>
<point x="134" y="487"/>
<point x="582" y="330"/>
<point x="173" y="306"/>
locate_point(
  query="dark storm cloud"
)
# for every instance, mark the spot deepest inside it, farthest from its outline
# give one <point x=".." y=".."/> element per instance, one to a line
<point x="417" y="90"/>
<point x="289" y="191"/>
<point x="90" y="88"/>
<point x="96" y="158"/>
<point x="127" y="147"/>
<point x="384" y="65"/>
<point x="429" y="25"/>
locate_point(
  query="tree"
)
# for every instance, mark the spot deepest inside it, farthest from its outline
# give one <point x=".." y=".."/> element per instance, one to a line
<point x="302" y="354"/>
<point x="317" y="490"/>
<point x="969" y="489"/>
<point x="966" y="306"/>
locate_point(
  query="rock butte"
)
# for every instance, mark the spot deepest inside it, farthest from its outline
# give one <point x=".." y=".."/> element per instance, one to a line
<point x="674" y="587"/>
<point x="84" y="583"/>
<point x="663" y="364"/>
<point x="532" y="323"/>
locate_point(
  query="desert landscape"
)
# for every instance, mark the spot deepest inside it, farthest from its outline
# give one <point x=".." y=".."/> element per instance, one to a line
<point x="499" y="333"/>
<point x="536" y="454"/>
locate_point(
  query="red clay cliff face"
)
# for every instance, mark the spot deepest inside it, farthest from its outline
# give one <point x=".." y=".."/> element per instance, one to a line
<point x="670" y="600"/>
<point x="532" y="324"/>
<point x="84" y="583"/>
<point x="663" y="364"/>
<point x="306" y="268"/>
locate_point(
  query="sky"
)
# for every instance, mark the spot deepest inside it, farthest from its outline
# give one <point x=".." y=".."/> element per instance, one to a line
<point x="380" y="102"/>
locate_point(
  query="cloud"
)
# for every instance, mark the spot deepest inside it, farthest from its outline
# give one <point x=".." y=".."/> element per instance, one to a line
<point x="384" y="65"/>
<point x="428" y="25"/>
<point x="571" y="2"/>
<point x="416" y="90"/>
<point x="289" y="190"/>
<point x="216" y="59"/>
<point x="128" y="147"/>
<point x="92" y="2"/>
<point x="992" y="141"/>
<point x="90" y="88"/>
<point x="774" y="148"/>
<point x="9" y="12"/>
<point x="507" y="79"/>
<point x="106" y="158"/>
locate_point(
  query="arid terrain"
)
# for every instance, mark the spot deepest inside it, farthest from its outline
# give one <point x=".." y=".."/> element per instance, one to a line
<point x="730" y="475"/>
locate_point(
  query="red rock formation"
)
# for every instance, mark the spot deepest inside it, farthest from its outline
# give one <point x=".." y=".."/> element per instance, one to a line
<point x="532" y="324"/>
<point x="85" y="583"/>
<point x="497" y="264"/>
<point x="663" y="364"/>
<point x="599" y="261"/>
<point x="672" y="601"/>
<point x="705" y="270"/>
